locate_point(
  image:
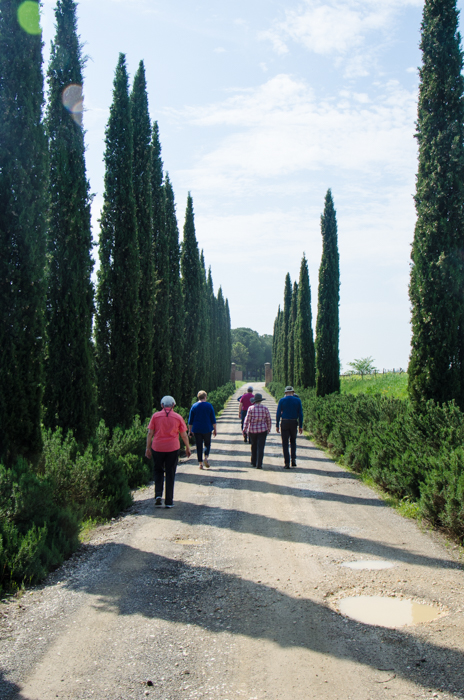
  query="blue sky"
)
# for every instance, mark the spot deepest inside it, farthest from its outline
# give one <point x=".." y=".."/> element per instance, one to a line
<point x="263" y="106"/>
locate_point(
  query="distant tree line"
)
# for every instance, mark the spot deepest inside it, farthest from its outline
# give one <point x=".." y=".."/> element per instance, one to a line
<point x="70" y="356"/>
<point x="250" y="352"/>
<point x="298" y="360"/>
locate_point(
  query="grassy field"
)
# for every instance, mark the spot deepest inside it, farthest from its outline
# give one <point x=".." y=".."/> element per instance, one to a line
<point x="395" y="385"/>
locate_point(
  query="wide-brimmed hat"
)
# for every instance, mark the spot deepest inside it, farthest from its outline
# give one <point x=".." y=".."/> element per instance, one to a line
<point x="257" y="398"/>
<point x="289" y="388"/>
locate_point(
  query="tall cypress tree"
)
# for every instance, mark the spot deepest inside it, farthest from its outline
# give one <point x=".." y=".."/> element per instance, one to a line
<point x="276" y="353"/>
<point x="162" y="361"/>
<point x="192" y="289"/>
<point x="305" y="360"/>
<point x="117" y="324"/>
<point x="328" y="324"/>
<point x="142" y="180"/>
<point x="283" y="349"/>
<point x="291" y="335"/>
<point x="176" y="320"/>
<point x="212" y="315"/>
<point x="436" y="366"/>
<point x="70" y="397"/>
<point x="23" y="175"/>
<point x="203" y="354"/>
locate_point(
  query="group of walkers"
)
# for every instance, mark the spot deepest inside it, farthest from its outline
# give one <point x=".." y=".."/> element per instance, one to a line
<point x="166" y="426"/>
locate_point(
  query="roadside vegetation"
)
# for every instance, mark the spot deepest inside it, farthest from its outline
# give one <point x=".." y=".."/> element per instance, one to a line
<point x="392" y="384"/>
<point x="417" y="456"/>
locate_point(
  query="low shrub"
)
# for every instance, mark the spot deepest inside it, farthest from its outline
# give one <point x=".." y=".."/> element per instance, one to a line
<point x="415" y="455"/>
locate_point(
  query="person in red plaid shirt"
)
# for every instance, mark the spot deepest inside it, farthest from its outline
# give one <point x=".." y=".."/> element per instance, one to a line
<point x="257" y="424"/>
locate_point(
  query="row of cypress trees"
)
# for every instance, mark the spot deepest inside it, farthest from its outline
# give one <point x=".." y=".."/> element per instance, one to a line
<point x="297" y="359"/>
<point x="158" y="326"/>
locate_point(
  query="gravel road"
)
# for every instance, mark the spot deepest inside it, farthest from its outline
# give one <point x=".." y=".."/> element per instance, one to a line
<point x="235" y="593"/>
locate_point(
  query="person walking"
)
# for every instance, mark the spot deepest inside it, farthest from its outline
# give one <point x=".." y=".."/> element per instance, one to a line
<point x="163" y="445"/>
<point x="290" y="418"/>
<point x="202" y="422"/>
<point x="257" y="425"/>
<point x="245" y="403"/>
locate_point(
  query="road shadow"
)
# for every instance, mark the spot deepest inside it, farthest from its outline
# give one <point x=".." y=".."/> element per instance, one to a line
<point x="266" y="487"/>
<point x="289" y="531"/>
<point x="171" y="589"/>
<point x="8" y="689"/>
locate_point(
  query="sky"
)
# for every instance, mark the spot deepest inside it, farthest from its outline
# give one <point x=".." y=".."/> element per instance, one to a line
<point x="262" y="106"/>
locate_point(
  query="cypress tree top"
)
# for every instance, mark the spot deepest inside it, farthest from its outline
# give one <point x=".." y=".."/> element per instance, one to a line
<point x="305" y="361"/>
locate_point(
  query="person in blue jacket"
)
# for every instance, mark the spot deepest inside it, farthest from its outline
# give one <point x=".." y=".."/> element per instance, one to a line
<point x="290" y="412"/>
<point x="202" y="423"/>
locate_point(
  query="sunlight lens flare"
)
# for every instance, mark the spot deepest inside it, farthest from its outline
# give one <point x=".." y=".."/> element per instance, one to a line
<point x="73" y="101"/>
<point x="29" y="17"/>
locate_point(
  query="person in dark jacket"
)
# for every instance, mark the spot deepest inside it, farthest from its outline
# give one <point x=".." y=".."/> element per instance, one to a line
<point x="202" y="423"/>
<point x="289" y="419"/>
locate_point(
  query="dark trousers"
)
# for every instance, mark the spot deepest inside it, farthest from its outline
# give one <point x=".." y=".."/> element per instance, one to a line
<point x="201" y="438"/>
<point x="165" y="464"/>
<point x="257" y="440"/>
<point x="243" y="418"/>
<point x="288" y="431"/>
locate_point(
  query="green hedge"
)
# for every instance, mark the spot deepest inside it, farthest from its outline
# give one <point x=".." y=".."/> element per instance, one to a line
<point x="412" y="454"/>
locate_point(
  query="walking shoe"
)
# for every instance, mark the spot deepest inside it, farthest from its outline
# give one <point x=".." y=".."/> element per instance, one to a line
<point x="158" y="501"/>
<point x="258" y="467"/>
<point x="293" y="464"/>
<point x="286" y="466"/>
<point x="200" y="466"/>
<point x="244" y="438"/>
<point x="205" y="462"/>
<point x="168" y="505"/>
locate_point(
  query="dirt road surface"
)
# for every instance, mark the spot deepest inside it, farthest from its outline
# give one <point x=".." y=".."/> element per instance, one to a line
<point x="235" y="592"/>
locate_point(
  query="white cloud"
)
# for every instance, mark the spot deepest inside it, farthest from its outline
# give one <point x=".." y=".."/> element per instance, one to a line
<point x="280" y="129"/>
<point x="338" y="28"/>
<point x="219" y="49"/>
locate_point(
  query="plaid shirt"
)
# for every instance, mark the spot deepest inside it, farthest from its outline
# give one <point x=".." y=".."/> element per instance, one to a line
<point x="258" y="419"/>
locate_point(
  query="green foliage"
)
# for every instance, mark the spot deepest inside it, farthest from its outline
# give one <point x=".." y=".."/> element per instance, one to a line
<point x="436" y="367"/>
<point x="117" y="319"/>
<point x="163" y="210"/>
<point x="142" y="176"/>
<point x="390" y="384"/>
<point x="258" y="348"/>
<point x="363" y="366"/>
<point x="415" y="455"/>
<point x="70" y="397"/>
<point x="36" y="533"/>
<point x="328" y="324"/>
<point x="23" y="175"/>
<point x="305" y="358"/>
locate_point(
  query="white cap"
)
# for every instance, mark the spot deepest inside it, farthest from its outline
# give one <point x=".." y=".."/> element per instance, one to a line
<point x="168" y="401"/>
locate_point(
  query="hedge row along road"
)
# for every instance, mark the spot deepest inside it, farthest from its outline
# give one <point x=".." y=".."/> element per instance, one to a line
<point x="234" y="593"/>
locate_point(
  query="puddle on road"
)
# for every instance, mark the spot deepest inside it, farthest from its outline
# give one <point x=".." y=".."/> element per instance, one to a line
<point x="370" y="564"/>
<point x="387" y="612"/>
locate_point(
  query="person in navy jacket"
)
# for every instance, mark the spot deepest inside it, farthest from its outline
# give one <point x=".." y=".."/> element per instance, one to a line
<point x="202" y="422"/>
<point x="289" y="419"/>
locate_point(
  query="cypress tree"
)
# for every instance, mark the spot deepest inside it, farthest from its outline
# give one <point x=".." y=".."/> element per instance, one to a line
<point x="203" y="355"/>
<point x="176" y="320"/>
<point x="436" y="363"/>
<point x="276" y="354"/>
<point x="212" y="340"/>
<point x="69" y="398"/>
<point x="192" y="289"/>
<point x="162" y="362"/>
<point x="328" y="325"/>
<point x="23" y="175"/>
<point x="305" y="360"/>
<point x="117" y="320"/>
<point x="142" y="180"/>
<point x="227" y="344"/>
<point x="292" y="334"/>
<point x="286" y="327"/>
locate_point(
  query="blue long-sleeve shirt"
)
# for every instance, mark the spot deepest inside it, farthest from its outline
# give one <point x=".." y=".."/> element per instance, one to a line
<point x="290" y="408"/>
<point x="202" y="417"/>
